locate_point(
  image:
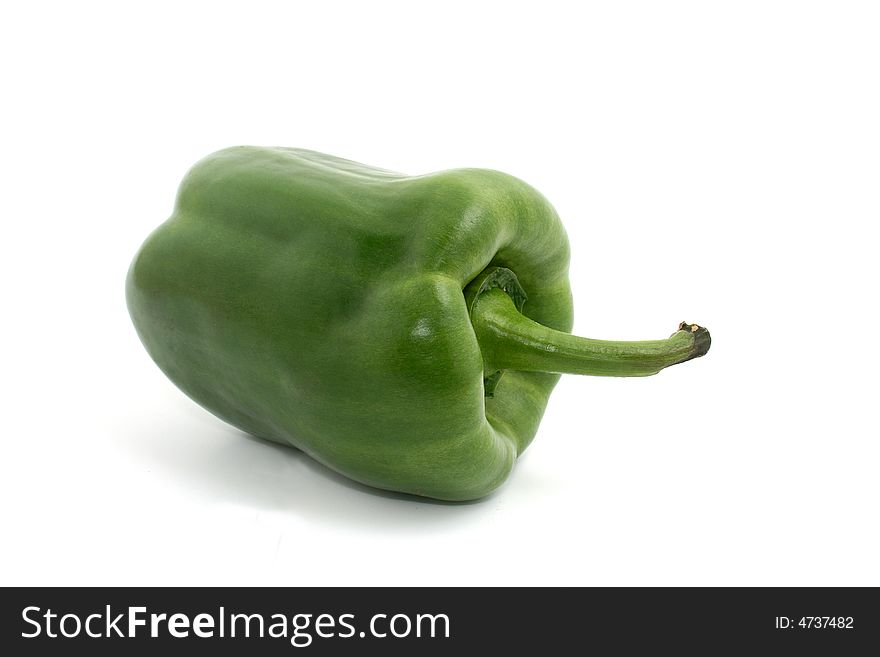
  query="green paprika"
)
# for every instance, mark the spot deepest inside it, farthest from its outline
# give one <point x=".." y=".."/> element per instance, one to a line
<point x="404" y="331"/>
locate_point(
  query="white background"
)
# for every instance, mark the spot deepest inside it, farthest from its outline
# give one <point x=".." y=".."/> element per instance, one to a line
<point x="712" y="162"/>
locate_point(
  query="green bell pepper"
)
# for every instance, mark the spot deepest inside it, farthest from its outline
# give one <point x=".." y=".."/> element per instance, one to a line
<point x="404" y="331"/>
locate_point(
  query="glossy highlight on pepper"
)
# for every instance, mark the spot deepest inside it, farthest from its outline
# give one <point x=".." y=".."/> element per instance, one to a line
<point x="406" y="331"/>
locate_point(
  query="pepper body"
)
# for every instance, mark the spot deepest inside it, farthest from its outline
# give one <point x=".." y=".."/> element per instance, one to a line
<point x="319" y="303"/>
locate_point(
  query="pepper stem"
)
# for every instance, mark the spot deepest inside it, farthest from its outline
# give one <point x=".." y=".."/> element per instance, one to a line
<point x="511" y="341"/>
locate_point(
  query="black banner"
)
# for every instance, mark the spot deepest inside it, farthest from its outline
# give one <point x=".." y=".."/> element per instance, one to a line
<point x="319" y="621"/>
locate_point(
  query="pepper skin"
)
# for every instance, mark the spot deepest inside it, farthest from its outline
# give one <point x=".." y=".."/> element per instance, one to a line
<point x="404" y="331"/>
